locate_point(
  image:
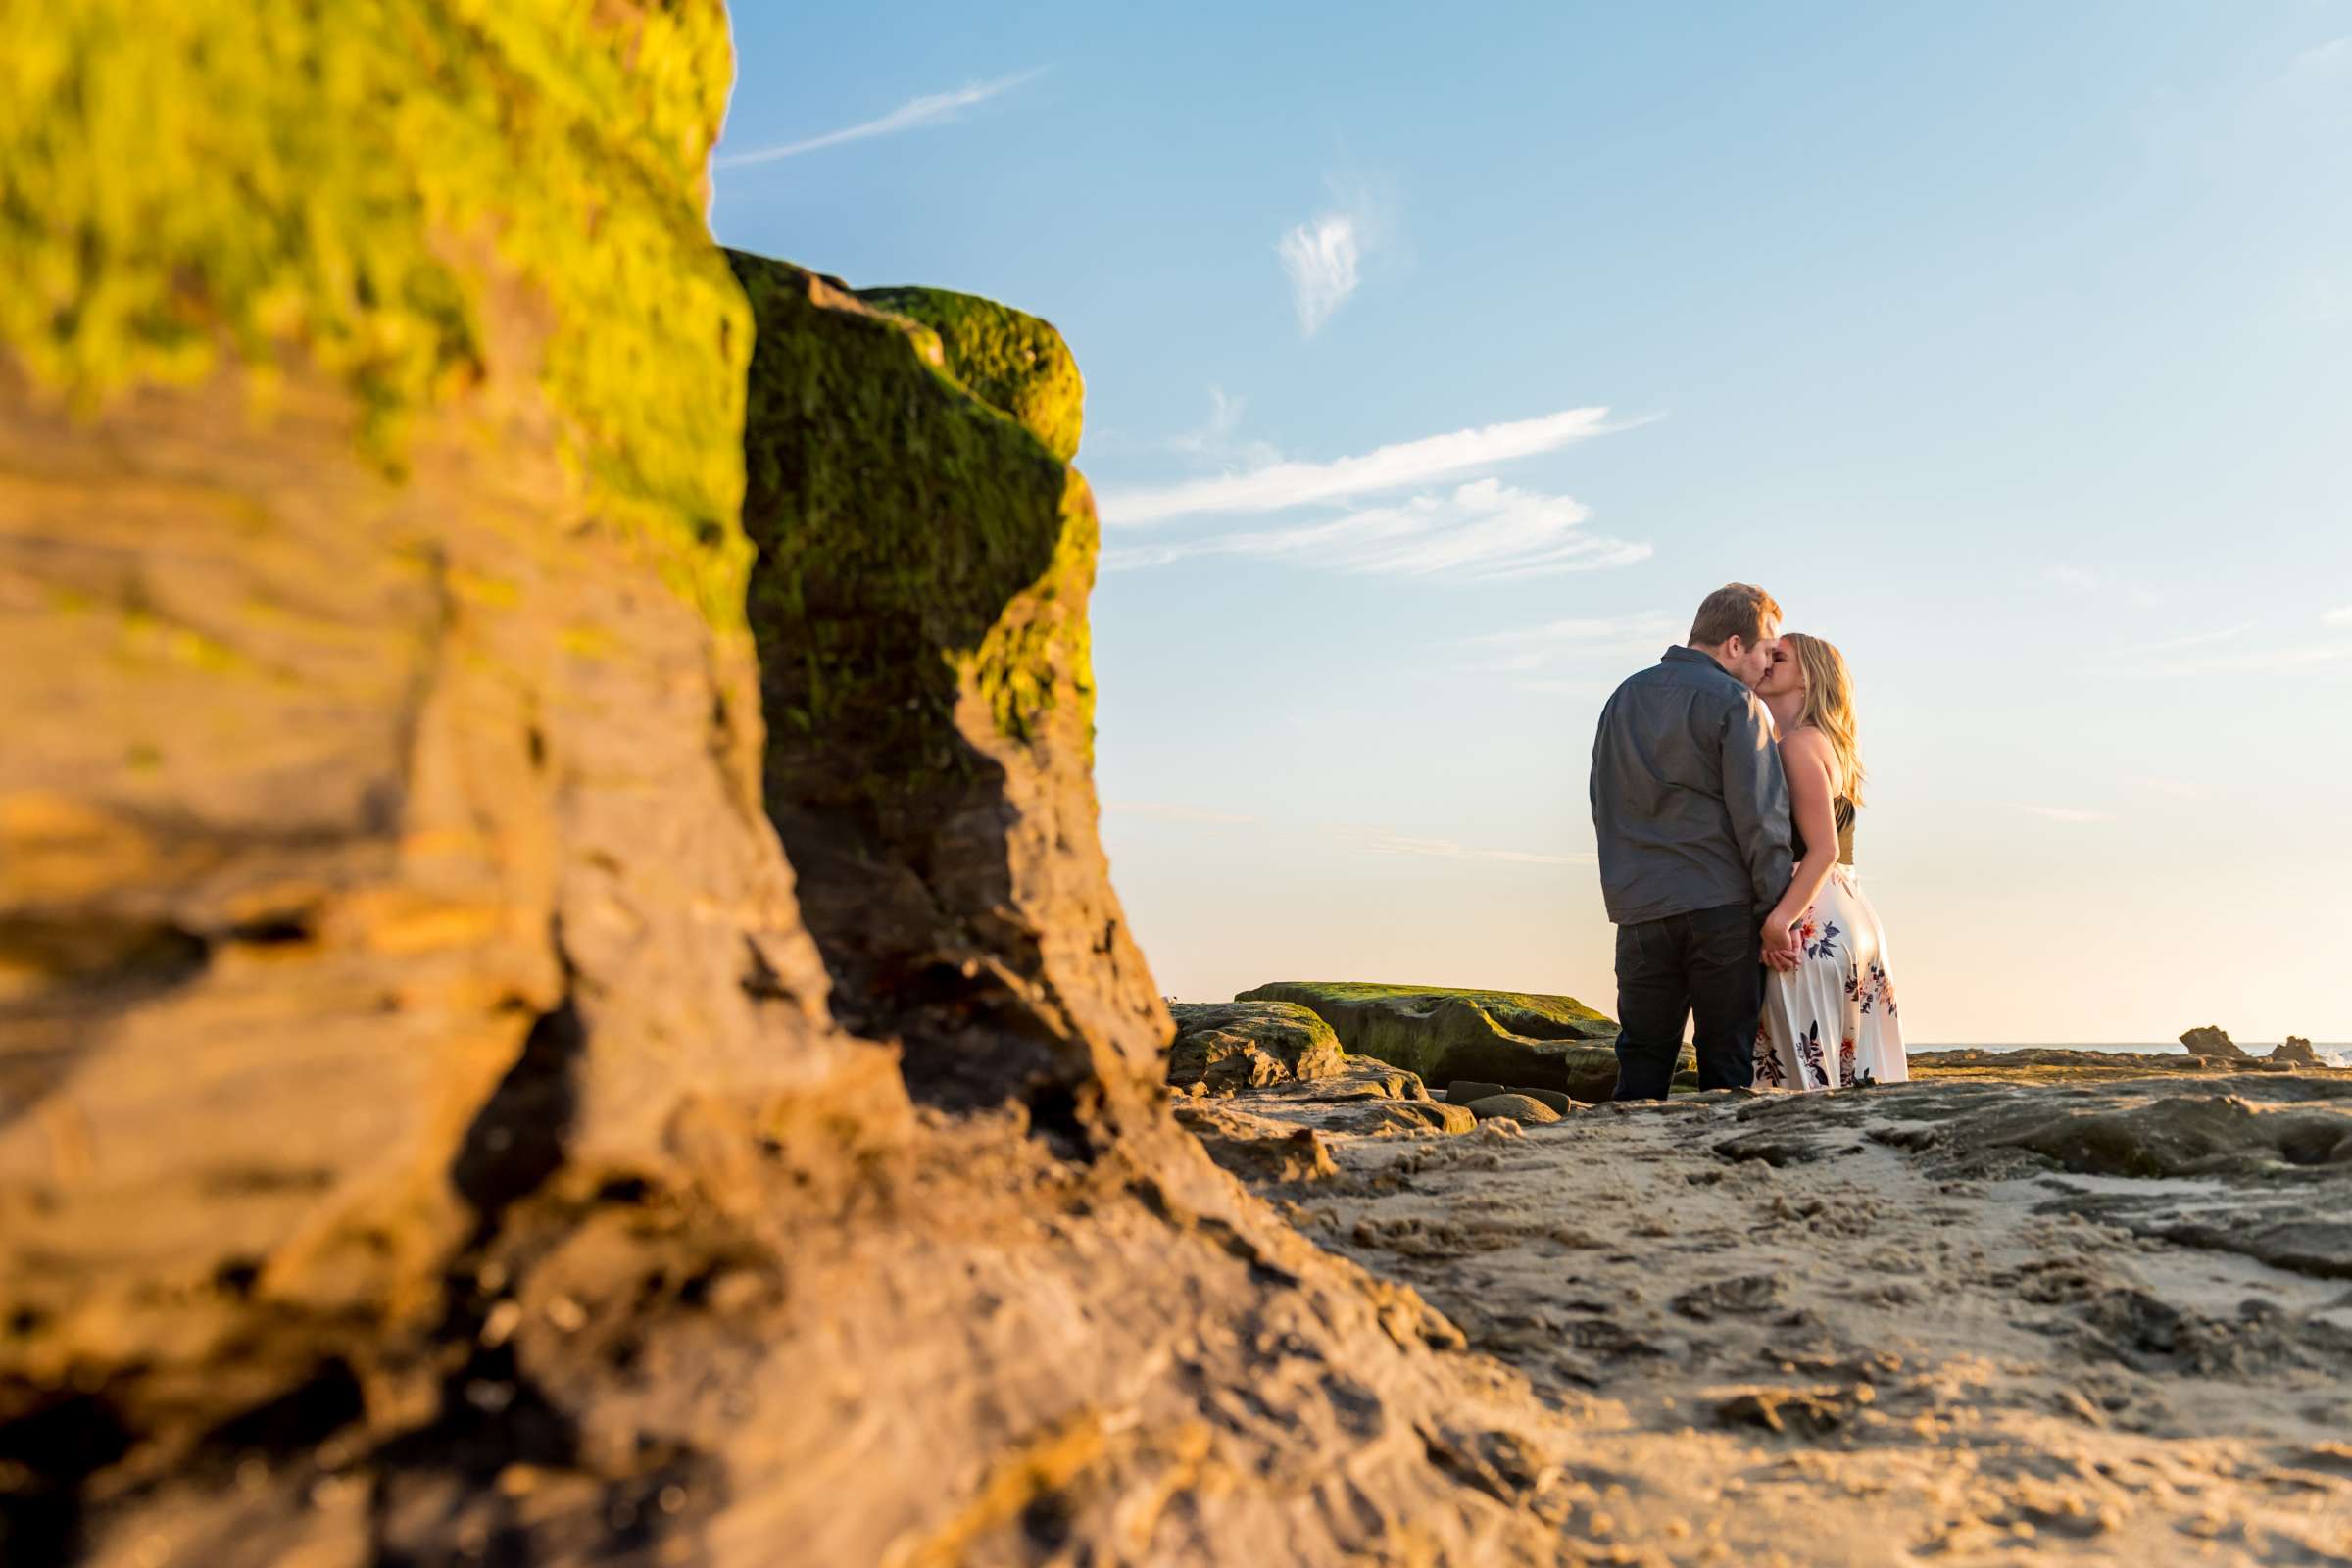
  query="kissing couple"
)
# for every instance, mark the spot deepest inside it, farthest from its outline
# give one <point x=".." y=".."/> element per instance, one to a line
<point x="1725" y="781"/>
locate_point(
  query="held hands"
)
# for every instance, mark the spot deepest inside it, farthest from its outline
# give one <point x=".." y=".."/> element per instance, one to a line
<point x="1779" y="942"/>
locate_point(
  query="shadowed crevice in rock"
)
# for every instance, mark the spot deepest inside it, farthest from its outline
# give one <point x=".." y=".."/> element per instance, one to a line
<point x="50" y="1445"/>
<point x="515" y="1141"/>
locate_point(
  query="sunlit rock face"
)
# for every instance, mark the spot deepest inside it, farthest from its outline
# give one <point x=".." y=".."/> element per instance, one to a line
<point x="380" y="841"/>
<point x="427" y="1124"/>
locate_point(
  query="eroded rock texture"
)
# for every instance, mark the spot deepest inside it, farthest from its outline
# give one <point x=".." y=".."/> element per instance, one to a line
<point x="427" y="1128"/>
<point x="379" y="836"/>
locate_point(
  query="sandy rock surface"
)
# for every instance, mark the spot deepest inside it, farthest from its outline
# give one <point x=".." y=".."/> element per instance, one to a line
<point x="1920" y="1323"/>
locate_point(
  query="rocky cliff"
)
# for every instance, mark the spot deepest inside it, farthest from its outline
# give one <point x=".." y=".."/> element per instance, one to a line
<point x="434" y="1125"/>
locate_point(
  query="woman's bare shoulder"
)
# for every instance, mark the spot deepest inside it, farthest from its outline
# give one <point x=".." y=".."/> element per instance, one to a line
<point x="1807" y="740"/>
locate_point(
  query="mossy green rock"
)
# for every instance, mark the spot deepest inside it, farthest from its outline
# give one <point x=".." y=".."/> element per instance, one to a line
<point x="919" y="607"/>
<point x="1444" y="1033"/>
<point x="222" y="180"/>
<point x="1008" y="359"/>
<point x="1229" y="1045"/>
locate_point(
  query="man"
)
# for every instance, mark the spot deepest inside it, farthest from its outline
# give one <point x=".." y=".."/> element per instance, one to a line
<point x="1692" y="812"/>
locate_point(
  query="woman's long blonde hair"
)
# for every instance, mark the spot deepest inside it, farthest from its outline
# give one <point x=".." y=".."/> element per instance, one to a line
<point x="1828" y="705"/>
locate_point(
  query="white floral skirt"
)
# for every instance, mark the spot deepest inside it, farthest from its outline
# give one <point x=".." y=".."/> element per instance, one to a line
<point x="1830" y="1021"/>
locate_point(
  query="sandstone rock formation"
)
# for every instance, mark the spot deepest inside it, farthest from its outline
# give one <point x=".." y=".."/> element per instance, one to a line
<point x="1507" y="1037"/>
<point x="433" y="1124"/>
<point x="380" y="839"/>
<point x="2209" y="1042"/>
<point x="2296" y="1051"/>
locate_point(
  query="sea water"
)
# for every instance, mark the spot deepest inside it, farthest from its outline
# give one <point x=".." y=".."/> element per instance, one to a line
<point x="2338" y="1051"/>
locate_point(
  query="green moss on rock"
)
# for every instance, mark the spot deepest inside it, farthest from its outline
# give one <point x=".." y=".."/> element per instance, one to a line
<point x="1229" y="1045"/>
<point x="1445" y="1033"/>
<point x="910" y="535"/>
<point x="1008" y="359"/>
<point x="378" y="149"/>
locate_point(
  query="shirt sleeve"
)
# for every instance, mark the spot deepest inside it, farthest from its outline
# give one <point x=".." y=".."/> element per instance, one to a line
<point x="1757" y="793"/>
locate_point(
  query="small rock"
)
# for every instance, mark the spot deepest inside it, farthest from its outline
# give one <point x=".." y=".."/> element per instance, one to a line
<point x="1462" y="1091"/>
<point x="1525" y="1110"/>
<point x="1744" y="1296"/>
<point x="2210" y="1041"/>
<point x="1807" y="1412"/>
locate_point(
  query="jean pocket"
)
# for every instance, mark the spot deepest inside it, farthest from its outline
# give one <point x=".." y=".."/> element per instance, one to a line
<point x="1722" y="937"/>
<point x="1642" y="952"/>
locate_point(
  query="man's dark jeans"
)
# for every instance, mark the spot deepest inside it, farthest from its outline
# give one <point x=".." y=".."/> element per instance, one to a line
<point x="1703" y="964"/>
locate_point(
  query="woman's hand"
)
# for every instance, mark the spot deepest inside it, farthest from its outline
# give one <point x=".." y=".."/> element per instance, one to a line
<point x="1778" y="941"/>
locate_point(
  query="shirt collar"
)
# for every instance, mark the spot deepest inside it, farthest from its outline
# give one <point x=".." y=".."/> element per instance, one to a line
<point x="1680" y="655"/>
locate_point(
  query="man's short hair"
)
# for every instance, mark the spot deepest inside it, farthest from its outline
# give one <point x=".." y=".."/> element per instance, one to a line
<point x="1735" y="609"/>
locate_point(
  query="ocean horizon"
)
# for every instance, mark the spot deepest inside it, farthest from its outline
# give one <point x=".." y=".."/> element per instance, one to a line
<point x="2337" y="1051"/>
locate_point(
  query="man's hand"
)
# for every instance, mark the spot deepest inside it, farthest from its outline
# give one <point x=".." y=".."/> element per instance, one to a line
<point x="1778" y="945"/>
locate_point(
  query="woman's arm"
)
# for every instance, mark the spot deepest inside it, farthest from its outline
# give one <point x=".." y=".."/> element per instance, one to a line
<point x="1809" y="762"/>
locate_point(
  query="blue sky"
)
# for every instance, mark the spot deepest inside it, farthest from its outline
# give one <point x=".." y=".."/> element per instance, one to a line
<point x="1436" y="372"/>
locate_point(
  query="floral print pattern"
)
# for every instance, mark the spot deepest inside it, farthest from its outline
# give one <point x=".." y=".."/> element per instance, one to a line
<point x="1808" y="1051"/>
<point x="1770" y="1074"/>
<point x="1871" y="989"/>
<point x="1818" y="937"/>
<point x="1838" y="999"/>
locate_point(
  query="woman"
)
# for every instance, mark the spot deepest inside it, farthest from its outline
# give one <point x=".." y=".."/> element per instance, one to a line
<point x="1830" y="1020"/>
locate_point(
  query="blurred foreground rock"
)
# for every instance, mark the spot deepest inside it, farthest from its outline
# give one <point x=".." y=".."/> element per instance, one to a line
<point x="434" y="1125"/>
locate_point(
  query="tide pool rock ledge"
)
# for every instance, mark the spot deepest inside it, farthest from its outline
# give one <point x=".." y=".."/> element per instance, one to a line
<point x="1444" y="1033"/>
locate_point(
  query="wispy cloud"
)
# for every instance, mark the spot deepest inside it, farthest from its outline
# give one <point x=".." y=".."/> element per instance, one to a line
<point x="1321" y="260"/>
<point x="932" y="109"/>
<point x="2248" y="662"/>
<point x="2100" y="585"/>
<point x="2195" y="639"/>
<point x="1219" y="437"/>
<point x="2222" y="651"/>
<point x="2323" y="300"/>
<point x="1482" y="532"/>
<point x="1596" y="639"/>
<point x="2324" y="60"/>
<point x="2176" y="788"/>
<point x="1446" y="848"/>
<point x="1169" y="812"/>
<point x="2060" y="814"/>
<point x="1276" y="486"/>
